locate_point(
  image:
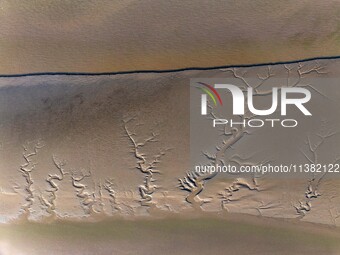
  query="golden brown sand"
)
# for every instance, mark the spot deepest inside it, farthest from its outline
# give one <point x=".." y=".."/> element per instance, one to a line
<point x="106" y="36"/>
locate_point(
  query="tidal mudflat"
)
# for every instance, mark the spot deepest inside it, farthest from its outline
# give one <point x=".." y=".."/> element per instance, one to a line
<point x="115" y="150"/>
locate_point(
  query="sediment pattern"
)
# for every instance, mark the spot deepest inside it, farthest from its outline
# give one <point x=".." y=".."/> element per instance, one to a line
<point x="119" y="146"/>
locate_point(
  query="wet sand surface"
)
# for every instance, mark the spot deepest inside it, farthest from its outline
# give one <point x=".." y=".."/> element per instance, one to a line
<point x="234" y="235"/>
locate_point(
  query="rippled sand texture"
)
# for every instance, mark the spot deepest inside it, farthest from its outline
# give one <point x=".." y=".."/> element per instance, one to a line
<point x="106" y="36"/>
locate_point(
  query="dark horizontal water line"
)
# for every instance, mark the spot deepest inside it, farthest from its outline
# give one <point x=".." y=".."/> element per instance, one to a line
<point x="167" y="70"/>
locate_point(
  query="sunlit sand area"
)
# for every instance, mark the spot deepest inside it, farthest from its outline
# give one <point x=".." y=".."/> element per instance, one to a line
<point x="106" y="36"/>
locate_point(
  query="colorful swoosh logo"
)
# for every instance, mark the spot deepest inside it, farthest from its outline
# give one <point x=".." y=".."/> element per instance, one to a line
<point x="211" y="91"/>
